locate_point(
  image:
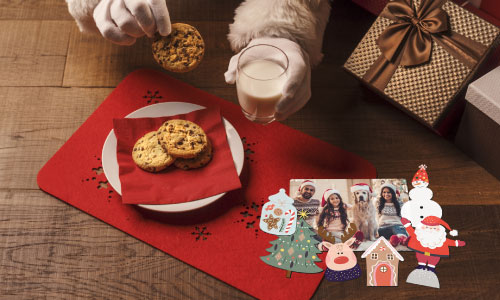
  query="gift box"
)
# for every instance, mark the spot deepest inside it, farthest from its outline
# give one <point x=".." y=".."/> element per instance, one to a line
<point x="420" y="55"/>
<point x="479" y="128"/>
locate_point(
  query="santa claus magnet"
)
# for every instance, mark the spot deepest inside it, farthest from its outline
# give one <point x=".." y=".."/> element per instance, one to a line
<point x="422" y="219"/>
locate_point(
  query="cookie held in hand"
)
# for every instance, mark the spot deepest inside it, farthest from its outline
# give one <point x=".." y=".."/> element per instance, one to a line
<point x="149" y="155"/>
<point x="181" y="51"/>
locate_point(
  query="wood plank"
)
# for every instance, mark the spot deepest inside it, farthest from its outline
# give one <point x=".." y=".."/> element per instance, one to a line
<point x="49" y="249"/>
<point x="180" y="10"/>
<point x="34" y="124"/>
<point x="196" y="10"/>
<point x="34" y="10"/>
<point x="33" y="53"/>
<point x="32" y="71"/>
<point x="93" y="61"/>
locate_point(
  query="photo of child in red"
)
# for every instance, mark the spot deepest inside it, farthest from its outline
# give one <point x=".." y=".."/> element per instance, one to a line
<point x="333" y="214"/>
<point x="429" y="241"/>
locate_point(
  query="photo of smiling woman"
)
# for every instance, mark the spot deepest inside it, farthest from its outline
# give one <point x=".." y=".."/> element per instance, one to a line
<point x="333" y="213"/>
<point x="389" y="216"/>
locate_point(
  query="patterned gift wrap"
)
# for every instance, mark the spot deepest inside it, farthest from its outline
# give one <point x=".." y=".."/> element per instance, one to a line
<point x="426" y="91"/>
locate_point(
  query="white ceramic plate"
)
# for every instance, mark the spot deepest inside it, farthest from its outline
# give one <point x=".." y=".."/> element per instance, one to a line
<point x="110" y="162"/>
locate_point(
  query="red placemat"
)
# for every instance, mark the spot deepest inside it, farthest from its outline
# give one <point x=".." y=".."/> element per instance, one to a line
<point x="222" y="239"/>
<point x="175" y="185"/>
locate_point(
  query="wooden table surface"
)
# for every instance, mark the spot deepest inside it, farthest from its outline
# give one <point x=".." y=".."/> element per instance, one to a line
<point x="52" y="78"/>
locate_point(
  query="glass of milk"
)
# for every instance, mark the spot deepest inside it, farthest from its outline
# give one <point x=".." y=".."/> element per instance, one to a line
<point x="262" y="71"/>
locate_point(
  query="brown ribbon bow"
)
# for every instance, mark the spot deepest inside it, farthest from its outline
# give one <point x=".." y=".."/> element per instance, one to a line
<point x="408" y="40"/>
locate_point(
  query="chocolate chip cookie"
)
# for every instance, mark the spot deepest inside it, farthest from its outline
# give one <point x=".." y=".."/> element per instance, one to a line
<point x="181" y="51"/>
<point x="181" y="138"/>
<point x="149" y="155"/>
<point x="199" y="161"/>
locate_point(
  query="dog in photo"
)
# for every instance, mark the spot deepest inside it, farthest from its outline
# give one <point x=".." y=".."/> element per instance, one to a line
<point x="364" y="211"/>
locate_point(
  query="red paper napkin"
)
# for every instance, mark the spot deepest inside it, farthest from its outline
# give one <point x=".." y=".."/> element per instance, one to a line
<point x="222" y="239"/>
<point x="174" y="185"/>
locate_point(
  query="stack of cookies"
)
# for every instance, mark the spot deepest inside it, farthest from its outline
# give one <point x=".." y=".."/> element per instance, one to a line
<point x="179" y="142"/>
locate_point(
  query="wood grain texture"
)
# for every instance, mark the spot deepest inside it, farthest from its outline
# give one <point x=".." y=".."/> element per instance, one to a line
<point x="180" y="10"/>
<point x="34" y="10"/>
<point x="52" y="78"/>
<point x="28" y="137"/>
<point x="32" y="52"/>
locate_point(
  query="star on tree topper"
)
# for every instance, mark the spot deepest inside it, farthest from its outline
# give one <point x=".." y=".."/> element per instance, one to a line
<point x="271" y="222"/>
<point x="303" y="214"/>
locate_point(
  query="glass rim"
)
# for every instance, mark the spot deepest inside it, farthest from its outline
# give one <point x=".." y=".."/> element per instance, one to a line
<point x="278" y="76"/>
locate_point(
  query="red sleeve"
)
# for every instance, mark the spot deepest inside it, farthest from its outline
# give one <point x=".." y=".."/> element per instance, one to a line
<point x="410" y="230"/>
<point x="451" y="243"/>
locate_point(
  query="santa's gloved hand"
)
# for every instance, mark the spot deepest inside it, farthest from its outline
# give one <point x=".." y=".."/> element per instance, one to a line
<point x="122" y="21"/>
<point x="297" y="89"/>
<point x="461" y="243"/>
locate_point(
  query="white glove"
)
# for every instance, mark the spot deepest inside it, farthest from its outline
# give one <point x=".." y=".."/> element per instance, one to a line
<point x="297" y="89"/>
<point x="122" y="21"/>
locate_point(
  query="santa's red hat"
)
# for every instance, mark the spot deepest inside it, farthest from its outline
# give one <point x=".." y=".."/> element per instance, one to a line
<point x="434" y="221"/>
<point x="361" y="187"/>
<point x="306" y="182"/>
<point x="327" y="194"/>
<point x="421" y="174"/>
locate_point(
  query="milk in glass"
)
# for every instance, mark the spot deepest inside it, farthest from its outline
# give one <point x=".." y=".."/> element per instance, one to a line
<point x="259" y="86"/>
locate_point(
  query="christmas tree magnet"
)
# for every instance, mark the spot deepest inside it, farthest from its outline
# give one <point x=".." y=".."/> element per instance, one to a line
<point x="295" y="253"/>
<point x="279" y="216"/>
<point x="340" y="260"/>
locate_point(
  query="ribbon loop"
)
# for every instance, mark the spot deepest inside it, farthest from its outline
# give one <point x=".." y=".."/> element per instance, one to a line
<point x="415" y="21"/>
<point x="429" y="19"/>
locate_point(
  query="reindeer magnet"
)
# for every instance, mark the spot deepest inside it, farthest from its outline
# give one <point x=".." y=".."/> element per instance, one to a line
<point x="341" y="261"/>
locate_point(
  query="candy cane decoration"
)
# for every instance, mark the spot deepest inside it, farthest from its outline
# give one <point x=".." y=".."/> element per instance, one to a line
<point x="290" y="222"/>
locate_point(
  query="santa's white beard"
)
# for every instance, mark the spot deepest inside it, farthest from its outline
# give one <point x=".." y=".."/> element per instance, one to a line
<point x="431" y="238"/>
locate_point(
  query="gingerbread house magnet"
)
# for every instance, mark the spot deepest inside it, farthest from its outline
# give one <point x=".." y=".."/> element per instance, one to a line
<point x="382" y="262"/>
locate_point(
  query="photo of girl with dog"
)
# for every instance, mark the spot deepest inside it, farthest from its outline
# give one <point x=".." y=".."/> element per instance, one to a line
<point x="333" y="213"/>
<point x="358" y="201"/>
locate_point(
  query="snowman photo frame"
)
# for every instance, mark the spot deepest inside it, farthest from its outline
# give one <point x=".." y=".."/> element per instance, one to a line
<point x="374" y="206"/>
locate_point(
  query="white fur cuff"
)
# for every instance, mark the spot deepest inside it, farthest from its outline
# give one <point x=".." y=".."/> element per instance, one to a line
<point x="302" y="21"/>
<point x="82" y="11"/>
